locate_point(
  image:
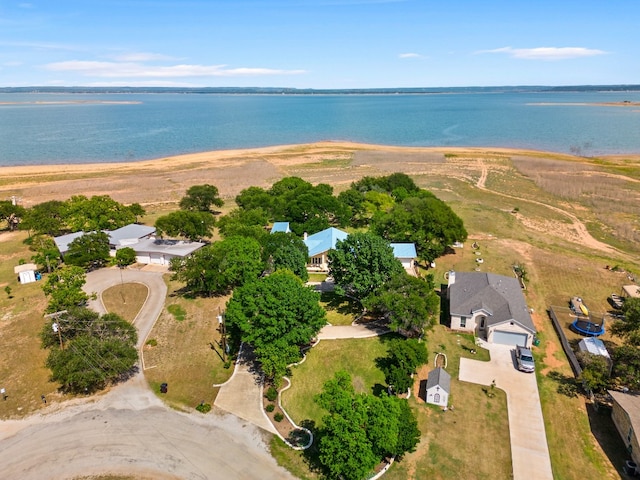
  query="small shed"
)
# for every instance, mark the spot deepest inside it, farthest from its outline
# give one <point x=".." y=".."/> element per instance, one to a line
<point x="405" y="253"/>
<point x="281" y="227"/>
<point x="26" y="272"/>
<point x="438" y="387"/>
<point x="594" y="346"/>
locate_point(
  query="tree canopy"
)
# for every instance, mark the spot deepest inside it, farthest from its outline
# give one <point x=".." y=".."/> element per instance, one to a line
<point x="12" y="214"/>
<point x="64" y="288"/>
<point x="192" y="225"/>
<point x="422" y="219"/>
<point x="88" y="350"/>
<point x="99" y="212"/>
<point x="90" y="250"/>
<point x="276" y="315"/>
<point x="403" y="358"/>
<point x="408" y="304"/>
<point x="629" y="327"/>
<point x="201" y="198"/>
<point x="286" y="251"/>
<point x="219" y="267"/>
<point x="361" y="263"/>
<point x="361" y="429"/>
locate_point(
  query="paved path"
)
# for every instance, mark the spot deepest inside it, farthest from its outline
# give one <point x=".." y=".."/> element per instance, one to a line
<point x="529" y="449"/>
<point x="336" y="332"/>
<point x="242" y="393"/>
<point x="129" y="430"/>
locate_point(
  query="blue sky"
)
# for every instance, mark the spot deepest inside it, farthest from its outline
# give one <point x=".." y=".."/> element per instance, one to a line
<point x="319" y="43"/>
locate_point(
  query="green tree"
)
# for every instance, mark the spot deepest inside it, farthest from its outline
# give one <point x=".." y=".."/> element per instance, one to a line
<point x="46" y="218"/>
<point x="276" y="315"/>
<point x="217" y="268"/>
<point x="64" y="288"/>
<point x="11" y="214"/>
<point x="361" y="429"/>
<point x="595" y="371"/>
<point x="99" y="212"/>
<point x="286" y="251"/>
<point x="244" y="223"/>
<point x="125" y="256"/>
<point x="626" y="366"/>
<point x="186" y="224"/>
<point x="403" y="358"/>
<point x="201" y="198"/>
<point x="629" y="327"/>
<point x="90" y="250"/>
<point x="362" y="263"/>
<point x="47" y="255"/>
<point x="424" y="220"/>
<point x="407" y="303"/>
<point x="136" y="210"/>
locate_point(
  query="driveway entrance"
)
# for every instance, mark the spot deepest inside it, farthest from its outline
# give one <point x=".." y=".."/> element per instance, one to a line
<point x="529" y="449"/>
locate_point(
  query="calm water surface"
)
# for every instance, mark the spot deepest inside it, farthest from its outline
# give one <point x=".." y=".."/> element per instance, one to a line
<point x="77" y="128"/>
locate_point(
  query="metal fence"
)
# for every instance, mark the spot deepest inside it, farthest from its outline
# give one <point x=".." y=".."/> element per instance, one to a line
<point x="573" y="361"/>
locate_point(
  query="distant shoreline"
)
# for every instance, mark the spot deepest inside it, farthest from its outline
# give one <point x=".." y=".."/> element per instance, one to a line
<point x="588" y="104"/>
<point x="74" y="102"/>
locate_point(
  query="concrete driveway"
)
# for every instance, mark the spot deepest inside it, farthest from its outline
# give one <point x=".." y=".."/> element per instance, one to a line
<point x="129" y="430"/>
<point x="529" y="449"/>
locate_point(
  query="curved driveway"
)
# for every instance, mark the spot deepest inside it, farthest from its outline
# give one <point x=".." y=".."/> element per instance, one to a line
<point x="129" y="430"/>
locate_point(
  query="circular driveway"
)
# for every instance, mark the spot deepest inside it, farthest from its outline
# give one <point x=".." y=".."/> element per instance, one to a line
<point x="129" y="431"/>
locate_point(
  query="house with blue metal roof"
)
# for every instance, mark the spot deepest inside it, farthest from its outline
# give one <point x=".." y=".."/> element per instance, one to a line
<point x="405" y="253"/>
<point x="319" y="245"/>
<point x="280" y="227"/>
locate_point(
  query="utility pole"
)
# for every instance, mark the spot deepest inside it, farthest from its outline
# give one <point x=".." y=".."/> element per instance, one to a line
<point x="56" y="325"/>
<point x="223" y="333"/>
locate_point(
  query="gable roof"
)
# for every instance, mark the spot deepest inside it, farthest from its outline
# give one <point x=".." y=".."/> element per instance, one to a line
<point x="25" y="267"/>
<point x="439" y="377"/>
<point x="129" y="234"/>
<point x="404" y="250"/>
<point x="630" y="403"/>
<point x="280" y="227"/>
<point x="179" y="248"/>
<point x="324" y="241"/>
<point x="499" y="296"/>
<point x="63" y="241"/>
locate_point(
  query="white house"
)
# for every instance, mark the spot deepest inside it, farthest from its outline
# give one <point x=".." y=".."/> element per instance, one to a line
<point x="491" y="306"/>
<point x="405" y="253"/>
<point x="129" y="235"/>
<point x="438" y="387"/>
<point x="280" y="227"/>
<point x="156" y="251"/>
<point x="319" y="245"/>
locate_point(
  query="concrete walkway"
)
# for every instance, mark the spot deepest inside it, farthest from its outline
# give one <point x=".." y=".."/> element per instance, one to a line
<point x="529" y="449"/>
<point x="241" y="395"/>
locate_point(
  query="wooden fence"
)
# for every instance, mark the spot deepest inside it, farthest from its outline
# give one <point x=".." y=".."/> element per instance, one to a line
<point x="573" y="361"/>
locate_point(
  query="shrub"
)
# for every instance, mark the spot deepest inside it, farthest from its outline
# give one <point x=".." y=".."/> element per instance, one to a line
<point x="152" y="342"/>
<point x="204" y="407"/>
<point x="278" y="417"/>
<point x="270" y="408"/>
<point x="271" y="394"/>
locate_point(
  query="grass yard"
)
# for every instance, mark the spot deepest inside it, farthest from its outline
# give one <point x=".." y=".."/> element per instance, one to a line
<point x="22" y="363"/>
<point x="340" y="310"/>
<point x="125" y="300"/>
<point x="183" y="350"/>
<point x="356" y="356"/>
<point x="449" y="437"/>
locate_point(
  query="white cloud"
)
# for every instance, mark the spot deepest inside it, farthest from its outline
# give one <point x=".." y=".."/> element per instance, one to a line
<point x="138" y="70"/>
<point x="546" y="53"/>
<point x="141" y="57"/>
<point x="410" y="55"/>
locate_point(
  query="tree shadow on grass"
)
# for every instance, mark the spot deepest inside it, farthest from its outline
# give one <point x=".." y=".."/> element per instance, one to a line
<point x="566" y="385"/>
<point x="607" y="436"/>
<point x="341" y="304"/>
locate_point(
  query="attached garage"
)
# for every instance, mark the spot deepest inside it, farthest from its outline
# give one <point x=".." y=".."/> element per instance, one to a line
<point x="510" y="338"/>
<point x="156" y="259"/>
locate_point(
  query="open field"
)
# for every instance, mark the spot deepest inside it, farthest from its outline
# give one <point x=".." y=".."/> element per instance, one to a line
<point x="565" y="218"/>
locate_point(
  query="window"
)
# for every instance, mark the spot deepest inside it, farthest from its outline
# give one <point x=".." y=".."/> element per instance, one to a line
<point x="436" y="398"/>
<point x="463" y="322"/>
<point x="316" y="260"/>
<point x="482" y="320"/>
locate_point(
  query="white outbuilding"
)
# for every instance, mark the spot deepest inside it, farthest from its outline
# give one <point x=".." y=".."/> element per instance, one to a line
<point x="438" y="387"/>
<point x="26" y="272"/>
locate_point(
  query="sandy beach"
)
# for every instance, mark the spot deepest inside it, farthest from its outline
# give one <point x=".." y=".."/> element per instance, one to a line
<point x="165" y="180"/>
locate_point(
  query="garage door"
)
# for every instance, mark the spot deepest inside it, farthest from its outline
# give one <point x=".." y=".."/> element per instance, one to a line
<point x="510" y="338"/>
<point x="157" y="259"/>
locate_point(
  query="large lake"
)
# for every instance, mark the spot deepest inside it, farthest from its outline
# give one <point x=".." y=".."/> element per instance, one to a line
<point x="81" y="128"/>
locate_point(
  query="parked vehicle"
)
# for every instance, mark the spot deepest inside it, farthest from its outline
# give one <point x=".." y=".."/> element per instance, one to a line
<point x="524" y="359"/>
<point x="616" y="301"/>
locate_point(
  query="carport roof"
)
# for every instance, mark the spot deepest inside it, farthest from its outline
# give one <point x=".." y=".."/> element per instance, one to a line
<point x="178" y="248"/>
<point x="497" y="294"/>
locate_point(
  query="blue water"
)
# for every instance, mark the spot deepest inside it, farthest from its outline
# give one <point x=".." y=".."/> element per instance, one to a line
<point x="161" y="125"/>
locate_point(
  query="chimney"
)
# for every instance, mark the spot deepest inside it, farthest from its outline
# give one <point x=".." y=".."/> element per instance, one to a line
<point x="452" y="278"/>
<point x="304" y="236"/>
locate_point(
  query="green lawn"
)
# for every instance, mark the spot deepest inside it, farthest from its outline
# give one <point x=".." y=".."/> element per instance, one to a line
<point x="340" y="310"/>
